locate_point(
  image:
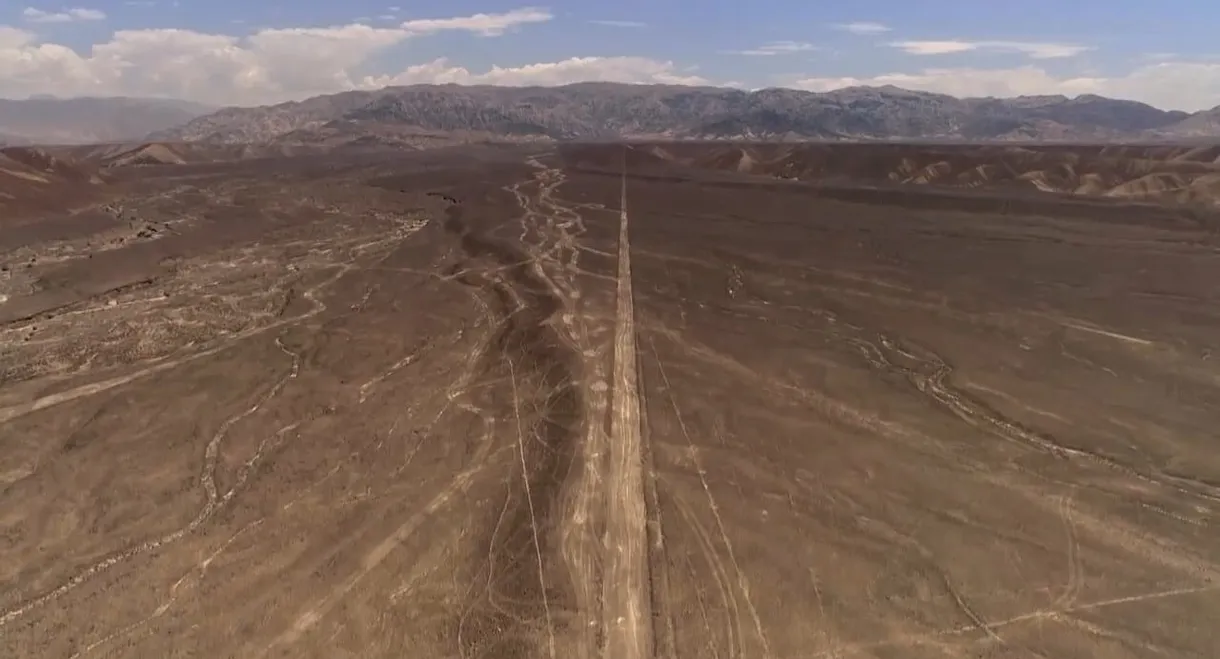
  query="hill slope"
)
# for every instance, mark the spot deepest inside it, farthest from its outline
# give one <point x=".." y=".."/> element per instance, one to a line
<point x="34" y="179"/>
<point x="1152" y="173"/>
<point x="615" y="111"/>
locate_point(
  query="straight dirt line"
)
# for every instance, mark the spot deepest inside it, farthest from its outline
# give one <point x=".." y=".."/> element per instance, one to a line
<point x="627" y="601"/>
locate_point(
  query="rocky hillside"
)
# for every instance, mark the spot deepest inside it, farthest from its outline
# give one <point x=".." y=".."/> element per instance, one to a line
<point x="1200" y="124"/>
<point x="32" y="179"/>
<point x="612" y="111"/>
<point x="1160" y="173"/>
<point x="89" y="120"/>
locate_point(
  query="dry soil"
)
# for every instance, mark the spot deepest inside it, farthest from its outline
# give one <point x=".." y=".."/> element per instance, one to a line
<point x="507" y="402"/>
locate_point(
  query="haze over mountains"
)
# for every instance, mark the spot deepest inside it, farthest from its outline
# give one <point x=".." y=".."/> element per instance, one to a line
<point x="50" y="120"/>
<point x="602" y="111"/>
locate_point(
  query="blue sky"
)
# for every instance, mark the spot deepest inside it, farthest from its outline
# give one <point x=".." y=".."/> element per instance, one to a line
<point x="1121" y="48"/>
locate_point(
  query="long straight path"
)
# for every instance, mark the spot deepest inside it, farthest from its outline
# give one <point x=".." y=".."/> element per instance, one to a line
<point x="626" y="601"/>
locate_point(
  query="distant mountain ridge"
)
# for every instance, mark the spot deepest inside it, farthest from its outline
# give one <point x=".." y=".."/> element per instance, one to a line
<point x="585" y="111"/>
<point x="50" y="120"/>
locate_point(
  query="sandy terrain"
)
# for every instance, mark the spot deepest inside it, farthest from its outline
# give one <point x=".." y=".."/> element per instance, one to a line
<point x="503" y="402"/>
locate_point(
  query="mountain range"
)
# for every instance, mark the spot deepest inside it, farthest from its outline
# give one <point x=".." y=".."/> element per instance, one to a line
<point x="422" y="115"/>
<point x="595" y="111"/>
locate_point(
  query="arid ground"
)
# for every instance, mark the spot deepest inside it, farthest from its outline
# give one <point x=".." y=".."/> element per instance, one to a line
<point x="513" y="402"/>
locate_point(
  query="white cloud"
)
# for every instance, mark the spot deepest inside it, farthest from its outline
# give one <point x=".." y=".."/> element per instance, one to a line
<point x="269" y="65"/>
<point x="66" y="16"/>
<point x="863" y="27"/>
<point x="14" y="39"/>
<point x="1019" y="81"/>
<point x="635" y="24"/>
<point x="273" y="65"/>
<point x="776" y="48"/>
<point x="488" y="25"/>
<point x="1177" y="85"/>
<point x="1034" y="50"/>
<point x="934" y="47"/>
<point x="575" y="69"/>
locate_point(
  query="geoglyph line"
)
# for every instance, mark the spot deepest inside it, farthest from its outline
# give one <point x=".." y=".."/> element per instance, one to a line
<point x="627" y="603"/>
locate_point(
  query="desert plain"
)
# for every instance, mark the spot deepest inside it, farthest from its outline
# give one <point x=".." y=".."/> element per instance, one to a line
<point x="611" y="400"/>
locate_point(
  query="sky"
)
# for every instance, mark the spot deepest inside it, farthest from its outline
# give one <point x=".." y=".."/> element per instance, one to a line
<point x="242" y="52"/>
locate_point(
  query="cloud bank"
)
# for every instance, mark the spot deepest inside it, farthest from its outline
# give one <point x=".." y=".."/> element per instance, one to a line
<point x="276" y="64"/>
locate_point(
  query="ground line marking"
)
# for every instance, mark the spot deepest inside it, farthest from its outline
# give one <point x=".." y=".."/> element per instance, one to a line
<point x="627" y="604"/>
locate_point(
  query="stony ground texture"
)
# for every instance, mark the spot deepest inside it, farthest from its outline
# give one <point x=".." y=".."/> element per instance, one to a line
<point x="510" y="402"/>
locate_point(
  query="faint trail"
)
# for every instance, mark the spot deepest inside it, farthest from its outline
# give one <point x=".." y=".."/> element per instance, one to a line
<point x="529" y="499"/>
<point x="458" y="485"/>
<point x="555" y="226"/>
<point x="14" y="411"/>
<point x="212" y="451"/>
<point x="732" y="626"/>
<point x="743" y="584"/>
<point x="550" y="229"/>
<point x="1102" y="332"/>
<point x="464" y="618"/>
<point x="199" y="572"/>
<point x="368" y="387"/>
<point x="381" y="551"/>
<point x="828" y="644"/>
<point x="535" y="295"/>
<point x="207" y="479"/>
<point x="932" y="377"/>
<point x="664" y="634"/>
<point x="1048" y="614"/>
<point x="1075" y="577"/>
<point x="626" y="596"/>
<point x="967" y="610"/>
<point x="582" y="530"/>
<point x="157" y="366"/>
